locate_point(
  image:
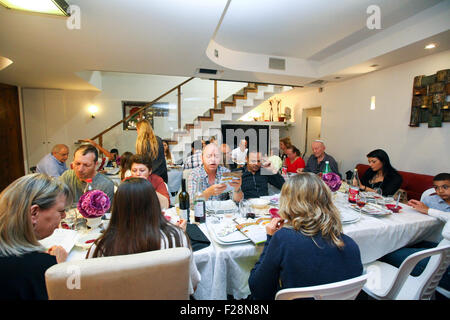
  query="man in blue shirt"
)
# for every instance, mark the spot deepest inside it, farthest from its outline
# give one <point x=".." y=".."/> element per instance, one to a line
<point x="54" y="163"/>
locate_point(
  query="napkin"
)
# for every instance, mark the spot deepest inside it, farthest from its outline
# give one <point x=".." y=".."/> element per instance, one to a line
<point x="197" y="237"/>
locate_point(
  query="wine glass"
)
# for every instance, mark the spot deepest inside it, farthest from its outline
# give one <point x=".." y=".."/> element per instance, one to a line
<point x="379" y="196"/>
<point x="360" y="201"/>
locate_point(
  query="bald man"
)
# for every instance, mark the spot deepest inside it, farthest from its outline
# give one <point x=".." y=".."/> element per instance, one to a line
<point x="54" y="163"/>
<point x="207" y="177"/>
<point x="316" y="162"/>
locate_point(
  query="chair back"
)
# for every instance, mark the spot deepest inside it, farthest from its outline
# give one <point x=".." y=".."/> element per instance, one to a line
<point x="154" y="275"/>
<point x="342" y="290"/>
<point x="429" y="278"/>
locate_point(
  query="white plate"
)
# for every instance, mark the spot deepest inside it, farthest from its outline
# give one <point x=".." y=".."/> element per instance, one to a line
<point x="371" y="209"/>
<point x="349" y="217"/>
<point x="82" y="238"/>
<point x="232" y="238"/>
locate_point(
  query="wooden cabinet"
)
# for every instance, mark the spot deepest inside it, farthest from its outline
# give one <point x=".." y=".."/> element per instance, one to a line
<point x="44" y="112"/>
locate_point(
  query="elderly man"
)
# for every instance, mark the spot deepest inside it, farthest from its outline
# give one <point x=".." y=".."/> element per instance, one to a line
<point x="84" y="161"/>
<point x="255" y="177"/>
<point x="316" y="162"/>
<point x="239" y="155"/>
<point x="207" y="177"/>
<point x="54" y="163"/>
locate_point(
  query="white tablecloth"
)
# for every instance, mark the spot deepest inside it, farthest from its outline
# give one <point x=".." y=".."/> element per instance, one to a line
<point x="225" y="269"/>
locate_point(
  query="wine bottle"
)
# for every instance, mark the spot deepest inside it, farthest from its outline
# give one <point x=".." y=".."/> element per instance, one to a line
<point x="353" y="189"/>
<point x="184" y="204"/>
<point x="199" y="205"/>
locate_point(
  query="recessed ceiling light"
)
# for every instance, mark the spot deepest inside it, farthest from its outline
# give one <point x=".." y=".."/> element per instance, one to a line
<point x="56" y="7"/>
<point x="337" y="78"/>
<point x="430" y="46"/>
<point x="374" y="65"/>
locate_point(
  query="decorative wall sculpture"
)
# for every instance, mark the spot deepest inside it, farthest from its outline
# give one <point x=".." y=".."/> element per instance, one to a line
<point x="430" y="100"/>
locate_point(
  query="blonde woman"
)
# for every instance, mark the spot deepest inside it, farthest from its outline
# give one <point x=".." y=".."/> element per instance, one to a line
<point x="306" y="246"/>
<point x="31" y="208"/>
<point x="150" y="145"/>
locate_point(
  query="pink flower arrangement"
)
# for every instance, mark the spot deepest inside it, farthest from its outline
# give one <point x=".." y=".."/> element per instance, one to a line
<point x="93" y="204"/>
<point x="332" y="180"/>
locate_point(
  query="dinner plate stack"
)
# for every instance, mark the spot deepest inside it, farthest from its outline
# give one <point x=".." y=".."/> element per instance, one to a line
<point x="348" y="217"/>
<point x="221" y="207"/>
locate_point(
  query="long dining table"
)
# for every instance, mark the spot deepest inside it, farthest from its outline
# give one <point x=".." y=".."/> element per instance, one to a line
<point x="225" y="268"/>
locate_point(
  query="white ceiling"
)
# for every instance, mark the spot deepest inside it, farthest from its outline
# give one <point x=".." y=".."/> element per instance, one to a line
<point x="319" y="39"/>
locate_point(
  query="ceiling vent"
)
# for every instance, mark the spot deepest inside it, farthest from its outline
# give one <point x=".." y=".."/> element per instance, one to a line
<point x="277" y="64"/>
<point x="207" y="71"/>
<point x="317" y="83"/>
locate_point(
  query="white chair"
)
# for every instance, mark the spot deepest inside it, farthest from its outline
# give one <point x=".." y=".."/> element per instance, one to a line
<point x="342" y="290"/>
<point x="153" y="275"/>
<point x="386" y="282"/>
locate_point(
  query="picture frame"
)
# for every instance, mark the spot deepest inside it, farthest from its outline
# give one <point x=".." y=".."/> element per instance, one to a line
<point x="160" y="109"/>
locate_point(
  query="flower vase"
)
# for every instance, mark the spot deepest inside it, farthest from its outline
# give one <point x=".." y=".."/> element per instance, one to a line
<point x="94" y="222"/>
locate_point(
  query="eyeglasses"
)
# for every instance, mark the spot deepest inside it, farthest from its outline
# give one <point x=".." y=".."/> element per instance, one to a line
<point x="444" y="187"/>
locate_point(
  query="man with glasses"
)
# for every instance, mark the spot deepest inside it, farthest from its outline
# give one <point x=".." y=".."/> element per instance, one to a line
<point x="207" y="177"/>
<point x="257" y="175"/>
<point x="54" y="163"/>
<point x="83" y="171"/>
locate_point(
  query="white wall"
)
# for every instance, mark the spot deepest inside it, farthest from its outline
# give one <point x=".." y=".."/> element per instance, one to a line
<point x="351" y="130"/>
<point x="74" y="117"/>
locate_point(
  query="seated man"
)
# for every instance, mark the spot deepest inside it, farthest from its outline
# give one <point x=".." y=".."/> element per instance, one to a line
<point x="437" y="205"/>
<point x="255" y="178"/>
<point x="239" y="155"/>
<point x="195" y="159"/>
<point x="316" y="162"/>
<point x="227" y="161"/>
<point x="206" y="178"/>
<point x="84" y="161"/>
<point x="141" y="167"/>
<point x="54" y="163"/>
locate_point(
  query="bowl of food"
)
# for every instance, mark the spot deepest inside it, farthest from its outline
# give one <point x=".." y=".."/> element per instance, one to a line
<point x="258" y="203"/>
<point x="393" y="208"/>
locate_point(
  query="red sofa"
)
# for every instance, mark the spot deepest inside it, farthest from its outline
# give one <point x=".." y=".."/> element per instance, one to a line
<point x="413" y="183"/>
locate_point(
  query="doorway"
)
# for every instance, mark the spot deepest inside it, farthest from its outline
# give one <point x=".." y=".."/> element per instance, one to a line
<point x="311" y="123"/>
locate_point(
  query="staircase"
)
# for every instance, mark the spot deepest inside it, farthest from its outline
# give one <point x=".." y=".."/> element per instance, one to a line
<point x="232" y="108"/>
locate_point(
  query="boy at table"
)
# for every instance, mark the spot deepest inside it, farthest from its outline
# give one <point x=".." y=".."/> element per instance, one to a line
<point x="435" y="204"/>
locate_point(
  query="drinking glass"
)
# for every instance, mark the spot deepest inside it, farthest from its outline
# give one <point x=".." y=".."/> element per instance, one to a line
<point x="244" y="208"/>
<point x="360" y="201"/>
<point x="379" y="197"/>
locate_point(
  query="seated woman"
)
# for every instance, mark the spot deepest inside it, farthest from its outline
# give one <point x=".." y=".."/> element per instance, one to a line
<point x="381" y="174"/>
<point x="284" y="144"/>
<point x="137" y="225"/>
<point x="31" y="208"/>
<point x="141" y="167"/>
<point x="125" y="166"/>
<point x="293" y="162"/>
<point x="167" y="153"/>
<point x="306" y="246"/>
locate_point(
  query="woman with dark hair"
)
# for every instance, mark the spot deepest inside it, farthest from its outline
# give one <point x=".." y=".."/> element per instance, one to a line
<point x="137" y="225"/>
<point x="293" y="161"/>
<point x="381" y="174"/>
<point x="125" y="165"/>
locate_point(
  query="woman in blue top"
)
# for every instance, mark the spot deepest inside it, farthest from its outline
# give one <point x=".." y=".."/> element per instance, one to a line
<point x="306" y="246"/>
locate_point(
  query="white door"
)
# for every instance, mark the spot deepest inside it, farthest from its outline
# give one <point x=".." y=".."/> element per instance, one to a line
<point x="35" y="126"/>
<point x="312" y="133"/>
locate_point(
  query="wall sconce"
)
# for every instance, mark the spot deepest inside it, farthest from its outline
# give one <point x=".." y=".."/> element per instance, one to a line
<point x="372" y="103"/>
<point x="93" y="109"/>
